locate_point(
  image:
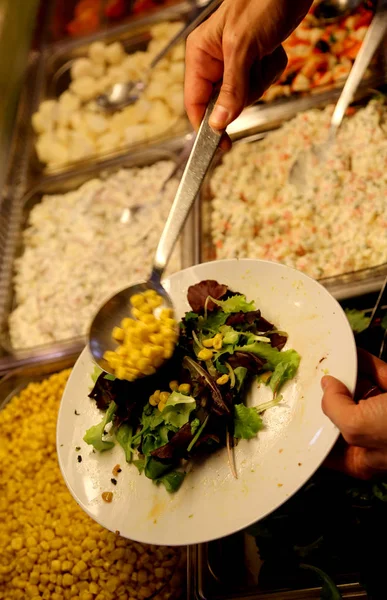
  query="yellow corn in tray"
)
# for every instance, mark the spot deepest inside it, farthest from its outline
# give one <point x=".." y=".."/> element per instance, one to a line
<point x="146" y="341"/>
<point x="50" y="548"/>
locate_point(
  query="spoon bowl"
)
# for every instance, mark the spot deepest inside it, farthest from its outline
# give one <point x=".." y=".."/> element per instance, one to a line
<point x="112" y="313"/>
<point x="330" y="11"/>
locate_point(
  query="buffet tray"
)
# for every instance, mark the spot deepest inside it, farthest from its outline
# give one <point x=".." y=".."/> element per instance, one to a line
<point x="14" y="220"/>
<point x="254" y="125"/>
<point x="56" y="62"/>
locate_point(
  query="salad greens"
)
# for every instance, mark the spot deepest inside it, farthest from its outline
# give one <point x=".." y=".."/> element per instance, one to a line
<point x="194" y="404"/>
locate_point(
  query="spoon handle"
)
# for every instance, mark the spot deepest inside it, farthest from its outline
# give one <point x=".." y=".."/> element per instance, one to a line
<point x="206" y="143"/>
<point x="371" y="41"/>
<point x="186" y="30"/>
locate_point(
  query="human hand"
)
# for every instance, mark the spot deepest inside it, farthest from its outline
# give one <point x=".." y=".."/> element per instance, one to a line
<point x="240" y="45"/>
<point x="362" y="451"/>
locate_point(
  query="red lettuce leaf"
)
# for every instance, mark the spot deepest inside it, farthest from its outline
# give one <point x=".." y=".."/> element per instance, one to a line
<point x="249" y="361"/>
<point x="278" y="340"/>
<point x="250" y="318"/>
<point x="198" y="294"/>
<point x="177" y="446"/>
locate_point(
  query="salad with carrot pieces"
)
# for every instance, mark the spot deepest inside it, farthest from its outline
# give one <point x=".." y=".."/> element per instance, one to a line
<point x="194" y="404"/>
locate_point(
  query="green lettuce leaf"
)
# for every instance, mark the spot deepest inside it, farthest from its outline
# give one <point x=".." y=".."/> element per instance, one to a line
<point x="151" y="417"/>
<point x="247" y="422"/>
<point x="140" y="464"/>
<point x="240" y="376"/>
<point x="172" y="481"/>
<point x="384" y="322"/>
<point x="154" y="469"/>
<point x="213" y="322"/>
<point x="154" y="439"/>
<point x="94" y="434"/>
<point x="357" y="319"/>
<point x="96" y="373"/>
<point x="284" y="363"/>
<point x="195" y="426"/>
<point x="235" y="304"/>
<point x="124" y="437"/>
<point x="178" y="409"/>
<point x="230" y="336"/>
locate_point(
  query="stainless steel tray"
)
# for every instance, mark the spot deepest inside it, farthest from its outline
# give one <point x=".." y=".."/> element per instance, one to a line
<point x="253" y="125"/>
<point x="208" y="579"/>
<point x="55" y="78"/>
<point x="14" y="221"/>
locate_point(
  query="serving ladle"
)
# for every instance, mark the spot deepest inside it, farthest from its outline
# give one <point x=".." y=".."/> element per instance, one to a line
<point x="126" y="93"/>
<point x="330" y="11"/>
<point x="372" y="39"/>
<point x="118" y="307"/>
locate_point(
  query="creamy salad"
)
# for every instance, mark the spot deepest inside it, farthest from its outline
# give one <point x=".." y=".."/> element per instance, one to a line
<point x="82" y="246"/>
<point x="73" y="128"/>
<point x="336" y="224"/>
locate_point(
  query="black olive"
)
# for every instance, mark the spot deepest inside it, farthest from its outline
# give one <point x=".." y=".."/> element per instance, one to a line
<point x="322" y="46"/>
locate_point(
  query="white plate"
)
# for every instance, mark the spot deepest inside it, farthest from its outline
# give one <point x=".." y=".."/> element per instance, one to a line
<point x="296" y="439"/>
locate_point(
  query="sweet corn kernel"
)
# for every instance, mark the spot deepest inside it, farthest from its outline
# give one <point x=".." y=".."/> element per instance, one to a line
<point x="137" y="300"/>
<point x="218" y="341"/>
<point x="166" y="313"/>
<point x="173" y="385"/>
<point x="107" y="496"/>
<point x="108" y="355"/>
<point x="143" y="363"/>
<point x="148" y="371"/>
<point x="150" y="294"/>
<point x="184" y="388"/>
<point x="157" y="339"/>
<point x="121" y="372"/>
<point x="161" y="406"/>
<point x="209" y="343"/>
<point x="155" y="302"/>
<point x="222" y="379"/>
<point x="164" y="397"/>
<point x="127" y="323"/>
<point x="118" y="334"/>
<point x="148" y="319"/>
<point x="158" y="361"/>
<point x="147" y="351"/>
<point x="136" y="312"/>
<point x="152" y="400"/>
<point x="205" y="354"/>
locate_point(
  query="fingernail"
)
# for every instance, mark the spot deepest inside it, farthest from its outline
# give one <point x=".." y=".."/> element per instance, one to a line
<point x="324" y="382"/>
<point x="219" y="117"/>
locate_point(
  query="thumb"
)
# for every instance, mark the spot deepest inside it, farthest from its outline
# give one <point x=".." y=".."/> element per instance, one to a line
<point x="337" y="402"/>
<point x="234" y="91"/>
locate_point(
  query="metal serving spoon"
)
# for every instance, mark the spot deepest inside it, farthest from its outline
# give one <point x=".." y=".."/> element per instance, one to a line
<point x="119" y="307"/>
<point x="330" y="11"/>
<point x="124" y="94"/>
<point x="373" y="37"/>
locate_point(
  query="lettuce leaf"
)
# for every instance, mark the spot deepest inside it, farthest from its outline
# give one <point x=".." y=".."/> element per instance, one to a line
<point x="213" y="322"/>
<point x="154" y="469"/>
<point x="94" y="434"/>
<point x="172" y="481"/>
<point x="284" y="364"/>
<point x="230" y="336"/>
<point x="240" y="376"/>
<point x="235" y="304"/>
<point x="96" y="373"/>
<point x="357" y="319"/>
<point x="154" y="439"/>
<point x="178" y="409"/>
<point x="247" y="422"/>
<point x="124" y="437"/>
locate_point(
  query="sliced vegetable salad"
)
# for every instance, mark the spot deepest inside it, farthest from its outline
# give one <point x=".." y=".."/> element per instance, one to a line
<point x="194" y="404"/>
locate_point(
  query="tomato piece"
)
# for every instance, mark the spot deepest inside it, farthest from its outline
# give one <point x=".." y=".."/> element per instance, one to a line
<point x="114" y="9"/>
